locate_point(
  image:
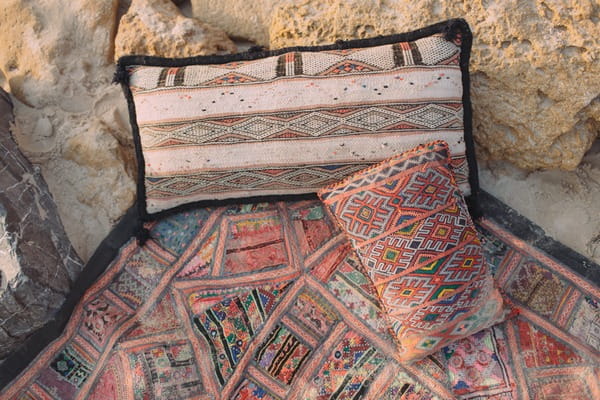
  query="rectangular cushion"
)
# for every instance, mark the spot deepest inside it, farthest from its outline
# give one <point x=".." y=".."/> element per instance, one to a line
<point x="291" y="121"/>
<point x="409" y="224"/>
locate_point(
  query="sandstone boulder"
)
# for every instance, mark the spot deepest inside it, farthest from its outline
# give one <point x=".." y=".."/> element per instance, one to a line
<point x="535" y="64"/>
<point x="56" y="60"/>
<point x="250" y="22"/>
<point x="37" y="262"/>
<point x="157" y="28"/>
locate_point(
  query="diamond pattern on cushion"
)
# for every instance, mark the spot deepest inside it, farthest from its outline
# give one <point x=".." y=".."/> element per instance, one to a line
<point x="408" y="222"/>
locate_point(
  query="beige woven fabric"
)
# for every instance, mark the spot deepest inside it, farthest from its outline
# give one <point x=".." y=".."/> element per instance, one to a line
<point x="293" y="123"/>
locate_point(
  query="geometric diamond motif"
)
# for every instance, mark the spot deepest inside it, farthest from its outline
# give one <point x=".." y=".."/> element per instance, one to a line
<point x="365" y="213"/>
<point x="427" y="190"/>
<point x="431" y="114"/>
<point x="391" y="255"/>
<point x="428" y="343"/>
<point x="444" y="291"/>
<point x="441" y="232"/>
<point x="409" y="224"/>
<point x="432" y="267"/>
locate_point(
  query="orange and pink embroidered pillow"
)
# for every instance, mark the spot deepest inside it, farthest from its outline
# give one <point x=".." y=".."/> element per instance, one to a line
<point x="408" y="222"/>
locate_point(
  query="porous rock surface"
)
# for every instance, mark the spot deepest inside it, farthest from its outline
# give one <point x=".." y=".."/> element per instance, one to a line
<point x="37" y="262"/>
<point x="535" y="63"/>
<point x="57" y="62"/>
<point x="157" y="28"/>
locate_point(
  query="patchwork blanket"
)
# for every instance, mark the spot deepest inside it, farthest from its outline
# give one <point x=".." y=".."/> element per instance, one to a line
<point x="268" y="301"/>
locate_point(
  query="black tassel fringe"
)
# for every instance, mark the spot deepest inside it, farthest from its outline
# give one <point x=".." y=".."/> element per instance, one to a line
<point x="121" y="75"/>
<point x="454" y="28"/>
<point x="256" y="49"/>
<point x="142" y="234"/>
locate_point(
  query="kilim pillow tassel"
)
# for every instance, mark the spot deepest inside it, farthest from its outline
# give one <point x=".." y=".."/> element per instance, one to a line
<point x="410" y="226"/>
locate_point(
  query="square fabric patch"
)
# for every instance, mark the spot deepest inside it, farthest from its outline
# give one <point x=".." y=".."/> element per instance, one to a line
<point x="409" y="224"/>
<point x="291" y="121"/>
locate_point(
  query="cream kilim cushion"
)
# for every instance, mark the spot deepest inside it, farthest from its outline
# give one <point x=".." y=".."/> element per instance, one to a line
<point x="291" y="121"/>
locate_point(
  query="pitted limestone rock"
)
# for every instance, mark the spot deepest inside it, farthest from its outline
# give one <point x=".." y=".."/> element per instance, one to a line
<point x="534" y="66"/>
<point x="157" y="28"/>
<point x="57" y="62"/>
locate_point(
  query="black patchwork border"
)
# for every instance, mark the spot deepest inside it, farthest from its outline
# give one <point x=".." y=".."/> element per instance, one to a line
<point x="532" y="234"/>
<point x="104" y="255"/>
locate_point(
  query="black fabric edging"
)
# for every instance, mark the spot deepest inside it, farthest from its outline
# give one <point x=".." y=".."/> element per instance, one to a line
<point x="524" y="229"/>
<point x="142" y="234"/>
<point x="452" y="29"/>
<point x="465" y="57"/>
<point x="106" y="252"/>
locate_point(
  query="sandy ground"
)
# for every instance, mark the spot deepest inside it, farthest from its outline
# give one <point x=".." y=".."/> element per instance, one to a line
<point x="566" y="204"/>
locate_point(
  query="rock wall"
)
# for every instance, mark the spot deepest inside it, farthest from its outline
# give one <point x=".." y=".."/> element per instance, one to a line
<point x="38" y="264"/>
<point x="57" y="62"/>
<point x="157" y="28"/>
<point x="535" y="63"/>
<point x="57" y="65"/>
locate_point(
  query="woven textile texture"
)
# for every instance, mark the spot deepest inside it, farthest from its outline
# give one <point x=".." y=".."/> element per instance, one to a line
<point x="551" y="350"/>
<point x="408" y="223"/>
<point x="292" y="122"/>
<point x="267" y="301"/>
